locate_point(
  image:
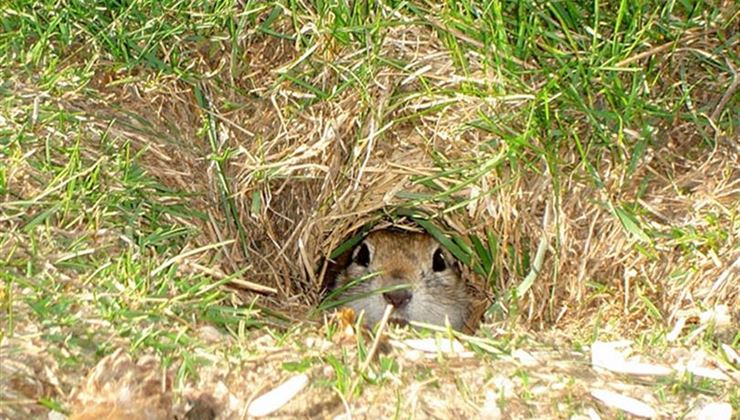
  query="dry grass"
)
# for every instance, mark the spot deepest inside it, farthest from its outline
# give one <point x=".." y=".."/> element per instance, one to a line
<point x="273" y="147"/>
<point x="305" y="178"/>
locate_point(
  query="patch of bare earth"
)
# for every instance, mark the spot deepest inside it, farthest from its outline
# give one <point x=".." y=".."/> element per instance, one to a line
<point x="312" y="376"/>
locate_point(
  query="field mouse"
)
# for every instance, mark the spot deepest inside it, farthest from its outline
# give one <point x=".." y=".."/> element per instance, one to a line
<point x="387" y="259"/>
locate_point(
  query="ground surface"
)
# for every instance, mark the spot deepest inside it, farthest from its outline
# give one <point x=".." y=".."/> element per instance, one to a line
<point x="174" y="176"/>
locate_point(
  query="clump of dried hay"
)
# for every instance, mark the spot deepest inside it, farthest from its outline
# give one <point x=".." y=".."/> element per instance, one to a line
<point x="306" y="170"/>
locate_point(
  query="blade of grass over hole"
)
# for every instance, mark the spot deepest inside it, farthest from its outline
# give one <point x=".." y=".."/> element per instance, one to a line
<point x="256" y="203"/>
<point x="629" y="223"/>
<point x="320" y="94"/>
<point x="443" y="239"/>
<point x="482" y="170"/>
<point x="464" y="202"/>
<point x="348" y="244"/>
<point x="41" y="217"/>
<point x="330" y="299"/>
<point x="483" y="254"/>
<point x="358" y="296"/>
<point x="341" y="289"/>
<point x="637" y="153"/>
<point x="266" y="28"/>
<point x="460" y="242"/>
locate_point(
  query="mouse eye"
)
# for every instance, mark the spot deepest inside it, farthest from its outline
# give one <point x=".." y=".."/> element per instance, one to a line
<point x="362" y="255"/>
<point x="438" y="260"/>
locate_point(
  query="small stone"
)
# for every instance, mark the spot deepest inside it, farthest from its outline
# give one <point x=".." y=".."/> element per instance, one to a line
<point x="713" y="411"/>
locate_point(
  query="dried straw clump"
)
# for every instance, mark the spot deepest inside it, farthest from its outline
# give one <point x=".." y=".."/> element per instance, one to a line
<point x="337" y="165"/>
<point x="301" y="178"/>
<point x="328" y="169"/>
<point x="596" y="247"/>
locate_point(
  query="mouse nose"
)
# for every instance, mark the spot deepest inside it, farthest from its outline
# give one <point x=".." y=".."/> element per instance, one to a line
<point x="398" y="298"/>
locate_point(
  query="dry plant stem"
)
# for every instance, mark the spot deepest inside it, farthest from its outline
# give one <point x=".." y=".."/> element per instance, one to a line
<point x="326" y="118"/>
<point x="61" y="185"/>
<point x="656" y="50"/>
<point x="439" y="25"/>
<point x="251" y="398"/>
<point x="728" y="93"/>
<point x="245" y="284"/>
<point x="347" y="409"/>
<point x="539" y="258"/>
<point x="373" y="349"/>
<point x="182" y="256"/>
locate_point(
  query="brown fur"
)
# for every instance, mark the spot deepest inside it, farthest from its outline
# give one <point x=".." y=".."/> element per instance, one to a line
<point x="397" y="258"/>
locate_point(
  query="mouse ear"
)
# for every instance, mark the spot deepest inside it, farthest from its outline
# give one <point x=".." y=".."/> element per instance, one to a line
<point x="438" y="260"/>
<point x="361" y="255"/>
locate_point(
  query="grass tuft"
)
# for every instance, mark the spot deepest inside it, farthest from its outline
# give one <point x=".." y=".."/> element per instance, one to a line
<point x="176" y="176"/>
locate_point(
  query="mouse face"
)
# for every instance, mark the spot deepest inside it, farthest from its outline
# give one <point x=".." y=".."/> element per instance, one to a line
<point x="411" y="272"/>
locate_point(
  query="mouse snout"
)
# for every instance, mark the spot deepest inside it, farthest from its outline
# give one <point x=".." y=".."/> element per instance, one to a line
<point x="398" y="298"/>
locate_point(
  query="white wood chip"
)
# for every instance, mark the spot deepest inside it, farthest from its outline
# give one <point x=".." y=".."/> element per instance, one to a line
<point x="642" y="369"/>
<point x="731" y="354"/>
<point x="525" y="358"/>
<point x="713" y="411"/>
<point x="719" y="315"/>
<point x="55" y="415"/>
<point x="592" y="414"/>
<point x="624" y="403"/>
<point x="604" y="351"/>
<point x="676" y="331"/>
<point x="275" y="399"/>
<point x="710" y="373"/>
<point x="432" y="345"/>
<point x="611" y="356"/>
<point x="490" y="409"/>
<point x="701" y="364"/>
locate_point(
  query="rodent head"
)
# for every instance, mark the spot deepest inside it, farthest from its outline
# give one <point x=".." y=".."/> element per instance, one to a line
<point x="424" y="285"/>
